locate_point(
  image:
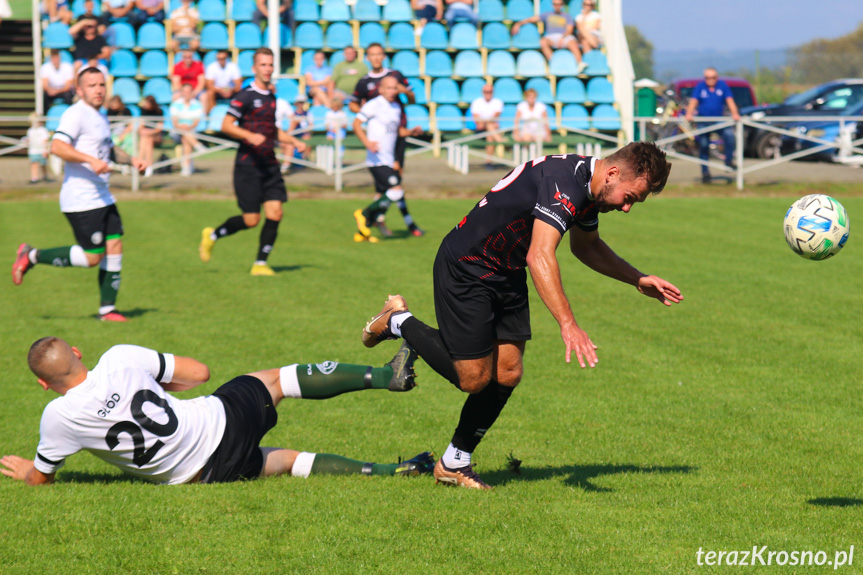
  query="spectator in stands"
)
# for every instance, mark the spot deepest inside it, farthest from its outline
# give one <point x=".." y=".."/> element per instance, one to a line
<point x="318" y="80"/>
<point x="148" y="11"/>
<point x="223" y="80"/>
<point x="150" y="132"/>
<point x="89" y="14"/>
<point x="58" y="80"/>
<point x="559" y="27"/>
<point x="711" y="96"/>
<point x="37" y="149"/>
<point x="346" y="74"/>
<point x="336" y="122"/>
<point x="587" y="24"/>
<point x="460" y="10"/>
<point x="485" y="112"/>
<point x="531" y="120"/>
<point x="89" y="43"/>
<point x="301" y="126"/>
<point x="121" y="132"/>
<point x="184" y="22"/>
<point x="186" y="112"/>
<point x="286" y="13"/>
<point x="188" y="71"/>
<point x="118" y="9"/>
<point x="426" y="11"/>
<point x="57" y="11"/>
<point x="284" y="115"/>
<point x="95" y="62"/>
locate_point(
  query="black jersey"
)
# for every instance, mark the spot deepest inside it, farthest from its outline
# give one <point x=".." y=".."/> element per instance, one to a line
<point x="495" y="236"/>
<point x="367" y="87"/>
<point x="255" y="110"/>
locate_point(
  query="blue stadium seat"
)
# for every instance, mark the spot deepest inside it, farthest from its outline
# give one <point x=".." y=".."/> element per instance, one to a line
<point x="495" y="36"/>
<point x="471" y="89"/>
<point x="122" y="34"/>
<point x="214" y="36"/>
<point x="507" y="117"/>
<point x="159" y="88"/>
<point x="54" y="113"/>
<point x="597" y="64"/>
<point x="285" y="40"/>
<point x="517" y="10"/>
<point x="612" y="121"/>
<point x="287" y="89"/>
<point x="153" y="63"/>
<point x="500" y="64"/>
<point x="367" y="11"/>
<point x="574" y="116"/>
<point x="56" y="35"/>
<point x="335" y="11"/>
<point x="151" y="36"/>
<point x="167" y="124"/>
<point x="309" y="36"/>
<point x="468" y="64"/>
<point x="335" y="58"/>
<point x="339" y="35"/>
<point x="417" y="116"/>
<point x="600" y="91"/>
<point x="124" y="64"/>
<point x="530" y="64"/>
<point x="508" y="90"/>
<point x="562" y="64"/>
<point x="212" y="11"/>
<point x="418" y="86"/>
<point x="306" y="11"/>
<point x="247" y="36"/>
<point x="434" y="37"/>
<point x="462" y="36"/>
<point x="371" y="32"/>
<point x="65" y="56"/>
<point x="570" y="91"/>
<point x="401" y="36"/>
<point x="527" y="38"/>
<point x="407" y="62"/>
<point x="133" y="109"/>
<point x="438" y="64"/>
<point x="244" y="62"/>
<point x="543" y="89"/>
<point x="448" y="118"/>
<point x="318" y="115"/>
<point x="545" y="6"/>
<point x="491" y="11"/>
<point x="127" y="89"/>
<point x="444" y="91"/>
<point x="209" y="58"/>
<point x="242" y="10"/>
<point x="398" y="11"/>
<point x="217" y="116"/>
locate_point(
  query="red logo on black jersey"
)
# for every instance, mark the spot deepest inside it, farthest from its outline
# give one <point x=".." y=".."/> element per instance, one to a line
<point x="564" y="201"/>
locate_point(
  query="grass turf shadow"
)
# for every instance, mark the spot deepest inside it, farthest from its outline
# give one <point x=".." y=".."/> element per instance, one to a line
<point x="836" y="502"/>
<point x="577" y="475"/>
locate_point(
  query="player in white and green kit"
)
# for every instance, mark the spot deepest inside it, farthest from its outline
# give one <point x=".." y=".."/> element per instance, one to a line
<point x="83" y="140"/>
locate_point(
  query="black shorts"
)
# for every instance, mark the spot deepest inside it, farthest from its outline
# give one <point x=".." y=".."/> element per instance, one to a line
<point x="255" y="184"/>
<point x="399" y="154"/>
<point x="249" y="415"/>
<point x="473" y="313"/>
<point x="385" y="178"/>
<point x="94" y="227"/>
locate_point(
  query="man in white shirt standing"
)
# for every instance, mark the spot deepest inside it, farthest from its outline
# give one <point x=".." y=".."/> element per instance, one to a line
<point x="485" y="112"/>
<point x="223" y="80"/>
<point x="58" y="80"/>
<point x="121" y="413"/>
<point x="83" y="140"/>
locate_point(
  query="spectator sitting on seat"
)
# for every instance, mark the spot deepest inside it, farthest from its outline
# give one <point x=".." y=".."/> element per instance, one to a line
<point x="88" y="43"/>
<point x="587" y="23"/>
<point x="301" y="126"/>
<point x="186" y="114"/>
<point x="485" y="112"/>
<point x="89" y="14"/>
<point x="426" y="11"/>
<point x="150" y="132"/>
<point x="188" y="71"/>
<point x="286" y="13"/>
<point x="58" y="80"/>
<point x="37" y="149"/>
<point x="121" y="131"/>
<point x="118" y="9"/>
<point x="184" y="22"/>
<point x="346" y="74"/>
<point x="336" y="122"/>
<point x="318" y="80"/>
<point x="95" y="62"/>
<point x="460" y="10"/>
<point x="148" y="11"/>
<point x="531" y="120"/>
<point x="558" y="33"/>
<point x="223" y="80"/>
<point x="57" y="11"/>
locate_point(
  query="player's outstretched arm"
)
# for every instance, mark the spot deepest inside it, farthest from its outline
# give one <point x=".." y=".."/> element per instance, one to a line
<point x="188" y="373"/>
<point x="545" y="272"/>
<point x="24" y="470"/>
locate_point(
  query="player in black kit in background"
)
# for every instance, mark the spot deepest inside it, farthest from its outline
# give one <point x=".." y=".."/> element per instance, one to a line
<point x="480" y="282"/>
<point x="257" y="179"/>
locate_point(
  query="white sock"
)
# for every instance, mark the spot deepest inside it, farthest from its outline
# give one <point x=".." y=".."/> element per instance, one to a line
<point x="303" y="464"/>
<point x="213" y="236"/>
<point x="31" y="255"/>
<point x="289" y="382"/>
<point x="397" y="320"/>
<point x="455" y="458"/>
<point x="106" y="309"/>
<point x="260" y="263"/>
<point x="78" y="258"/>
<point x="111" y="263"/>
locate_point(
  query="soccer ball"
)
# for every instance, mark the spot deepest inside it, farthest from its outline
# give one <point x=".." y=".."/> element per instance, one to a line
<point x="816" y="227"/>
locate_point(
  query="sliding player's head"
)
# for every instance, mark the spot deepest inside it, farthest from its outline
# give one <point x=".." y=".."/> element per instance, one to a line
<point x="55" y="363"/>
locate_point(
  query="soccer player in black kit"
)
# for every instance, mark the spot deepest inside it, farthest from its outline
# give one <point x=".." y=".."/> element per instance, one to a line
<point x="257" y="178"/>
<point x="480" y="282"/>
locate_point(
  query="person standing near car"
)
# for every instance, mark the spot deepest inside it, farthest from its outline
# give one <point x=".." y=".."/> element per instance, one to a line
<point x="711" y="96"/>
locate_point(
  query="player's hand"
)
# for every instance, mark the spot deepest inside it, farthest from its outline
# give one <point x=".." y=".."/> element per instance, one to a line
<point x="660" y="289"/>
<point x="99" y="166"/>
<point x="578" y="342"/>
<point x="256" y="139"/>
<point x="417" y="131"/>
<point x="300" y="146"/>
<point x="139" y="165"/>
<point x="17" y="467"/>
<point x="373" y="147"/>
<point x="688" y="116"/>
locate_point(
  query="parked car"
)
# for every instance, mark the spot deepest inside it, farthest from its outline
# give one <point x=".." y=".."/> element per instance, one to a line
<point x="825" y="100"/>
<point x="829" y="130"/>
<point x="741" y="90"/>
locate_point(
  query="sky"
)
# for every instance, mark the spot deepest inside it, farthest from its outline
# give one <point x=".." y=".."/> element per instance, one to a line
<point x="676" y="25"/>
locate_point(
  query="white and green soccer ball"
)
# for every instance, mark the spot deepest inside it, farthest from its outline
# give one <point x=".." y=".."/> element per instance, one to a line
<point x="816" y="227"/>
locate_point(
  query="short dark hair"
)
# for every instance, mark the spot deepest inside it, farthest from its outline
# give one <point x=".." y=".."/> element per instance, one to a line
<point x="225" y="52"/>
<point x="87" y="71"/>
<point x="259" y="52"/>
<point x="643" y="160"/>
<point x="374" y="45"/>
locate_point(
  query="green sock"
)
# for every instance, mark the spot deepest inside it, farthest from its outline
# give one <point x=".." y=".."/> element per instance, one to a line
<point x="59" y="257"/>
<point x="109" y="285"/>
<point x="338" y="465"/>
<point x="328" y="379"/>
<point x="379" y="206"/>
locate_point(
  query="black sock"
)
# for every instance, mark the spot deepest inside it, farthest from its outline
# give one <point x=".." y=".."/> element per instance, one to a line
<point x="429" y="345"/>
<point x="376" y="208"/>
<point x="268" y="238"/>
<point x="479" y="413"/>
<point x="231" y="226"/>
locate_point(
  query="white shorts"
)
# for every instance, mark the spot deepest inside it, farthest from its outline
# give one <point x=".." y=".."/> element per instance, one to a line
<point x="556" y="39"/>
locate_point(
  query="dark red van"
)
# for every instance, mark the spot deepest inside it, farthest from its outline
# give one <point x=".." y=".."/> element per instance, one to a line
<point x="741" y="89"/>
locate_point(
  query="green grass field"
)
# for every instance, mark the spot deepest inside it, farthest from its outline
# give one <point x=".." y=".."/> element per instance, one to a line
<point x="729" y="421"/>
